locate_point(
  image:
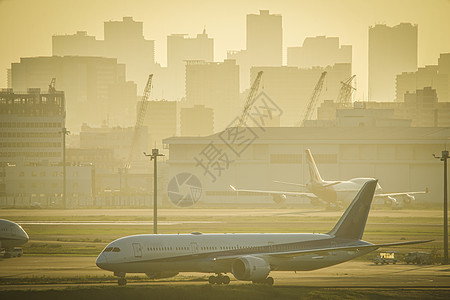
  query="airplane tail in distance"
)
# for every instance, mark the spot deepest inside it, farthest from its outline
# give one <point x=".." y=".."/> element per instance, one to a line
<point x="351" y="224"/>
<point x="314" y="174"/>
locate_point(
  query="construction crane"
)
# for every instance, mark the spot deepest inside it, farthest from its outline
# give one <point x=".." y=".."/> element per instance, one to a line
<point x="51" y="86"/>
<point x="250" y="99"/>
<point x="140" y="119"/>
<point x="313" y="100"/>
<point x="345" y="93"/>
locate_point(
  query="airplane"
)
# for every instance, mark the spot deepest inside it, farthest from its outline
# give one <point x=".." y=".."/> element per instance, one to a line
<point x="248" y="256"/>
<point x="333" y="192"/>
<point x="12" y="235"/>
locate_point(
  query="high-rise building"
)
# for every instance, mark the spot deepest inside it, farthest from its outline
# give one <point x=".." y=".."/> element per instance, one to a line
<point x="419" y="109"/>
<point x="265" y="39"/>
<point x="196" y="121"/>
<point x="161" y="121"/>
<point x="435" y="76"/>
<point x="264" y="45"/>
<point x="95" y="87"/>
<point x="31" y="125"/>
<point x="392" y="50"/>
<point x="319" y="51"/>
<point x="291" y="87"/>
<point x="180" y="49"/>
<point x="124" y="40"/>
<point x="118" y="139"/>
<point x="214" y="85"/>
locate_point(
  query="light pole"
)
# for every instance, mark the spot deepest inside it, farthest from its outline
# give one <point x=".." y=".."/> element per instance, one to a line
<point x="154" y="156"/>
<point x="64" y="133"/>
<point x="444" y="158"/>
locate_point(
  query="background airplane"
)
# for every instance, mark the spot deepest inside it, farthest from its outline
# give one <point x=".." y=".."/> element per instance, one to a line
<point x="12" y="235"/>
<point x="334" y="193"/>
<point x="248" y="256"/>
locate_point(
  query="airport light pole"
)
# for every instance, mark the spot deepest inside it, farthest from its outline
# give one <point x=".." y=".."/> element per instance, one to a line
<point x="64" y="133"/>
<point x="444" y="158"/>
<point x="154" y="156"/>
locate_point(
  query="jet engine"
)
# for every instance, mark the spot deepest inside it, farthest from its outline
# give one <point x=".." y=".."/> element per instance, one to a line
<point x="408" y="198"/>
<point x="160" y="275"/>
<point x="389" y="201"/>
<point x="279" y="198"/>
<point x="250" y="268"/>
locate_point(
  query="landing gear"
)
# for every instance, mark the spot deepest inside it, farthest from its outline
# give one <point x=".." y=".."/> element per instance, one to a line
<point x="268" y="281"/>
<point x="121" y="281"/>
<point x="219" y="279"/>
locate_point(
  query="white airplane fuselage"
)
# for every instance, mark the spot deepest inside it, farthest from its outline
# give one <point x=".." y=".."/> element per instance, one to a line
<point x="11" y="235"/>
<point x="338" y="191"/>
<point x="196" y="252"/>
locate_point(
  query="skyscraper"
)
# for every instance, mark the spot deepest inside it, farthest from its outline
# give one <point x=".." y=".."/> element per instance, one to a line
<point x="264" y="45"/>
<point x="95" y="81"/>
<point x="124" y="40"/>
<point x="180" y="49"/>
<point x="392" y="50"/>
<point x="214" y="85"/>
<point x="319" y="51"/>
<point x="265" y="39"/>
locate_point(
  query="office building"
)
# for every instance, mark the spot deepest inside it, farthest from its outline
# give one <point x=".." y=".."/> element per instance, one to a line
<point x="434" y="76"/>
<point x="181" y="48"/>
<point x="196" y="121"/>
<point x="161" y="121"/>
<point x="214" y="85"/>
<point x="96" y="90"/>
<point x="319" y="51"/>
<point x="123" y="40"/>
<point x="291" y="87"/>
<point x="392" y="51"/>
<point x="30" y="126"/>
<point x="264" y="44"/>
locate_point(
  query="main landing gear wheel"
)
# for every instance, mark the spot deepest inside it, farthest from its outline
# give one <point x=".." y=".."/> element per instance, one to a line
<point x="122" y="281"/>
<point x="268" y="281"/>
<point x="219" y="279"/>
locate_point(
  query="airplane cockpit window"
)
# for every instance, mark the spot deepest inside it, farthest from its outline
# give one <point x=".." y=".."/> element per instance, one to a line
<point x="115" y="249"/>
<point x="109" y="249"/>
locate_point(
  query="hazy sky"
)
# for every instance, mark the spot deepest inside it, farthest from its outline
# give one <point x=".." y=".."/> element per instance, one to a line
<point x="26" y="26"/>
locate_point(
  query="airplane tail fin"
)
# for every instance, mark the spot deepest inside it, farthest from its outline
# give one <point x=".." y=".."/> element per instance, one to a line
<point x="351" y="224"/>
<point x="314" y="174"/>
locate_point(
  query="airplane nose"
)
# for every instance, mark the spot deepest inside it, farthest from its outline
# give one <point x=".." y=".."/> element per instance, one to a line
<point x="101" y="261"/>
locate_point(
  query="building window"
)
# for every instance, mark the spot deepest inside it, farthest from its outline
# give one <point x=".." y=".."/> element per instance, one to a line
<point x="286" y="159"/>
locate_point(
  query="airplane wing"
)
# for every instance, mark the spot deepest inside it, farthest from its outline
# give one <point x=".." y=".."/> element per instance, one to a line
<point x="290" y="183"/>
<point x="309" y="195"/>
<point x="348" y="248"/>
<point x="288" y="254"/>
<point x="401" y="193"/>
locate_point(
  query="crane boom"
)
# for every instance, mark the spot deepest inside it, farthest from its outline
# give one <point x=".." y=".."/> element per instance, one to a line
<point x="140" y="118"/>
<point x="51" y="86"/>
<point x="345" y="93"/>
<point x="314" y="97"/>
<point x="250" y="99"/>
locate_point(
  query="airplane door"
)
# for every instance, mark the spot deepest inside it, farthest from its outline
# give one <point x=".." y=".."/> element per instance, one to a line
<point x="194" y="248"/>
<point x="137" y="250"/>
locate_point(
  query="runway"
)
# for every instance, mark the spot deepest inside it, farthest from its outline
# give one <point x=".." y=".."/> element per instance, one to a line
<point x="62" y="272"/>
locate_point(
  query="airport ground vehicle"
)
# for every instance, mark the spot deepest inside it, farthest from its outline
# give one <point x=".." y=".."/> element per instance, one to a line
<point x="386" y="257"/>
<point x="421" y="258"/>
<point x="15" y="252"/>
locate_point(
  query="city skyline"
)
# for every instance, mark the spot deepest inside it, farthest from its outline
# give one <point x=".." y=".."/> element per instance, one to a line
<point x="348" y="20"/>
